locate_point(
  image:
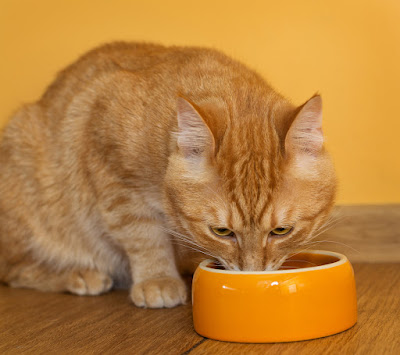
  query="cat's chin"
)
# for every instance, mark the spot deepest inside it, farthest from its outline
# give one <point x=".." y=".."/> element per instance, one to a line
<point x="272" y="268"/>
<point x="222" y="265"/>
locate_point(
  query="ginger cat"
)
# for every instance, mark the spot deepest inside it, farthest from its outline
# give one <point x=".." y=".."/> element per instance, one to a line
<point x="136" y="142"/>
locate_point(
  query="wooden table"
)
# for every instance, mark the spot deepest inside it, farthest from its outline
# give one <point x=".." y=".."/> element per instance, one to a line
<point x="35" y="322"/>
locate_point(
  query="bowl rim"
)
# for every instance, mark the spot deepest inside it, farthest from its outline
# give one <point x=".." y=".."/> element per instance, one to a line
<point x="342" y="259"/>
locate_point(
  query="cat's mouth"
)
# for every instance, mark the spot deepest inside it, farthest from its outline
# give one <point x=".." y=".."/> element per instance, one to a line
<point x="298" y="261"/>
<point x="222" y="265"/>
<point x="217" y="265"/>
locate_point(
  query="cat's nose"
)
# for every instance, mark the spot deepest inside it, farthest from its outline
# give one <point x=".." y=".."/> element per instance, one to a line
<point x="251" y="263"/>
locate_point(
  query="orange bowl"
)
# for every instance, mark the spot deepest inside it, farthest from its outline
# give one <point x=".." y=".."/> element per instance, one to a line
<point x="290" y="304"/>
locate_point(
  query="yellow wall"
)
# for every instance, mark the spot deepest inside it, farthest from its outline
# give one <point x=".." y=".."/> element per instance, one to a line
<point x="349" y="50"/>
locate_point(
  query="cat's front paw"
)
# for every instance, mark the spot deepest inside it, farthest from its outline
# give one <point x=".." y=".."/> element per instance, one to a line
<point x="88" y="282"/>
<point x="158" y="293"/>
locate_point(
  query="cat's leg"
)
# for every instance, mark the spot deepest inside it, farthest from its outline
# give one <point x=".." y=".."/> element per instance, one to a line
<point x="41" y="269"/>
<point x="156" y="280"/>
<point x="41" y="277"/>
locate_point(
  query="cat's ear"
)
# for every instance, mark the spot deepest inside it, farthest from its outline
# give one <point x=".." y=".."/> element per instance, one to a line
<point x="305" y="137"/>
<point x="194" y="136"/>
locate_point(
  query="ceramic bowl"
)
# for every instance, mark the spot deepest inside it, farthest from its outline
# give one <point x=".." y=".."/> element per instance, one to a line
<point x="313" y="295"/>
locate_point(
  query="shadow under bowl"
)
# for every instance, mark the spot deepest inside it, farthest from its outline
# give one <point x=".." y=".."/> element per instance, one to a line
<point x="313" y="295"/>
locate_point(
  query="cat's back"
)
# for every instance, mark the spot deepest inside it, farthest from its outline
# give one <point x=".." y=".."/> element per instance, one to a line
<point x="98" y="62"/>
<point x="134" y="57"/>
<point x="174" y="66"/>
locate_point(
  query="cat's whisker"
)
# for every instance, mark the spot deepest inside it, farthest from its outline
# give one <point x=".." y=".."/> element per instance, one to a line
<point x="192" y="244"/>
<point x="317" y="235"/>
<point x="298" y="251"/>
<point x="302" y="261"/>
<point x="333" y="221"/>
<point x="325" y="227"/>
<point x="332" y="241"/>
<point x="176" y="234"/>
<point x="334" y="216"/>
<point x="320" y="231"/>
<point x="195" y="249"/>
<point x="182" y="238"/>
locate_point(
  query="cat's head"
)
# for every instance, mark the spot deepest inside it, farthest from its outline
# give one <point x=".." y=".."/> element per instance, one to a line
<point x="249" y="187"/>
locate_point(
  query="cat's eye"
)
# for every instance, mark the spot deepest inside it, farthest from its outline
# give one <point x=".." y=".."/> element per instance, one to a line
<point x="222" y="232"/>
<point x="280" y="231"/>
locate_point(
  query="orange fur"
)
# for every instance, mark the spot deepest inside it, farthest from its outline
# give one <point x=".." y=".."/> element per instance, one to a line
<point x="134" y="142"/>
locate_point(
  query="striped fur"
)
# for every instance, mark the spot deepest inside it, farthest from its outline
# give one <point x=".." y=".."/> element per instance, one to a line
<point x="136" y="147"/>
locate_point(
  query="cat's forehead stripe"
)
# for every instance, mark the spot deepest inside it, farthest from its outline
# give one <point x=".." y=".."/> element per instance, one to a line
<point x="248" y="164"/>
<point x="251" y="193"/>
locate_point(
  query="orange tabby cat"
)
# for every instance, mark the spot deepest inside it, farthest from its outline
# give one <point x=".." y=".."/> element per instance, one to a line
<point x="135" y="142"/>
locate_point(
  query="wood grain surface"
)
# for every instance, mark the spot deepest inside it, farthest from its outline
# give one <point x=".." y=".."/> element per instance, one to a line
<point x="364" y="233"/>
<point x="35" y="322"/>
<point x="32" y="322"/>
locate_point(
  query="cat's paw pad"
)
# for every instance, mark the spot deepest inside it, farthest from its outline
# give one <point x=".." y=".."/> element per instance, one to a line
<point x="158" y="293"/>
<point x="89" y="282"/>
